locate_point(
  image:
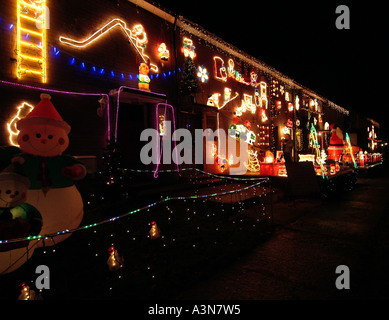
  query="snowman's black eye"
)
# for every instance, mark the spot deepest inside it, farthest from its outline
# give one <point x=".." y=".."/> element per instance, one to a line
<point x="16" y="193"/>
<point x="50" y="136"/>
<point x="38" y="135"/>
<point x="8" y="192"/>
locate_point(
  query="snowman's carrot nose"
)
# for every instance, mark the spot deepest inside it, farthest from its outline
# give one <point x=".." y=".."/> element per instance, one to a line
<point x="44" y="141"/>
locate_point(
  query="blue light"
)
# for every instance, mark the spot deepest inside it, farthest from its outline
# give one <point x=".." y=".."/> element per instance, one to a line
<point x="112" y="74"/>
<point x="72" y="60"/>
<point x="164" y="75"/>
<point x="11" y="26"/>
<point x="122" y="76"/>
<point x="169" y="73"/>
<point x="130" y="76"/>
<point x="102" y="71"/>
<point x="83" y="65"/>
<point x="93" y="68"/>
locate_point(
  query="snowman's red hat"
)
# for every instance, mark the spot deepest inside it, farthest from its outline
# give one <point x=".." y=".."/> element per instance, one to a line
<point x="44" y="113"/>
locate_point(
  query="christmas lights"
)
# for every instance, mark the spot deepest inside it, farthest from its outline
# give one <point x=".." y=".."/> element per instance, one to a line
<point x="137" y="37"/>
<point x="253" y="163"/>
<point x="188" y="48"/>
<point x="23" y="110"/>
<point x="203" y="74"/>
<point x="31" y="52"/>
<point x="163" y="52"/>
<point x="220" y="69"/>
<point x="67" y="93"/>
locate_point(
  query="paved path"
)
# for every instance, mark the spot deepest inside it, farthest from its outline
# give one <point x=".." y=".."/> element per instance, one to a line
<point x="312" y="238"/>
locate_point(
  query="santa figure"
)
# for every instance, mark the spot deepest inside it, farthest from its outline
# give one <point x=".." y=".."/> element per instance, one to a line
<point x="336" y="147"/>
<point x="43" y="138"/>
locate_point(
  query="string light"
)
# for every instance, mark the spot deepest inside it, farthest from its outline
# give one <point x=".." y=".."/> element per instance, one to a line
<point x="137" y="37"/>
<point x="36" y="62"/>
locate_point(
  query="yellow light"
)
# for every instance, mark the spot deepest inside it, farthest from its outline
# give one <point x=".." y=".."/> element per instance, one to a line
<point x="220" y="69"/>
<point x="188" y="48"/>
<point x="247" y="104"/>
<point x="40" y="58"/>
<point x="137" y="37"/>
<point x="163" y="52"/>
<point x="23" y="110"/>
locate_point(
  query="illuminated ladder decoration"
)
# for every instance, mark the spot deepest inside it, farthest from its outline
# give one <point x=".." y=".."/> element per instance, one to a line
<point x="350" y="150"/>
<point x="315" y="144"/>
<point x="31" y="41"/>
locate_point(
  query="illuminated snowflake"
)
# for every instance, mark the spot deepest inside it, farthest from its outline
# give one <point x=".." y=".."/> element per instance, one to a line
<point x="203" y="74"/>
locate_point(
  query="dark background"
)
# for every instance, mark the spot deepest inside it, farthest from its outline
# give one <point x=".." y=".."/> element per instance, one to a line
<point x="300" y="39"/>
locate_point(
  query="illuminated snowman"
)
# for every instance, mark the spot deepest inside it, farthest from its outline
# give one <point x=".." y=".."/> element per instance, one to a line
<point x="18" y="220"/>
<point x="43" y="138"/>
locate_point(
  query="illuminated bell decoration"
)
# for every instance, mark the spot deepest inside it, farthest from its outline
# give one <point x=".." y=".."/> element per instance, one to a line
<point x="115" y="261"/>
<point x="154" y="231"/>
<point x="290" y="106"/>
<point x="332" y="168"/>
<point x="278" y="104"/>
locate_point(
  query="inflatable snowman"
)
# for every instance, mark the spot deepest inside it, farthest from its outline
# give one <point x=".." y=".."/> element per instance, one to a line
<point x="43" y="138"/>
<point x="18" y="220"/>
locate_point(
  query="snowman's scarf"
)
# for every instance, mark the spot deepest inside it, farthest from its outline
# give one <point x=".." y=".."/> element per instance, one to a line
<point x="44" y="176"/>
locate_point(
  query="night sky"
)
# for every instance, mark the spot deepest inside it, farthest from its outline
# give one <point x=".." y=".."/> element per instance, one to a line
<point x="301" y="40"/>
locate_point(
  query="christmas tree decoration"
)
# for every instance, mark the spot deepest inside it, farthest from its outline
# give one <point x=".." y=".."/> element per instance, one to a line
<point x="18" y="219"/>
<point x="155" y="233"/>
<point x="43" y="138"/>
<point x="189" y="82"/>
<point x="115" y="261"/>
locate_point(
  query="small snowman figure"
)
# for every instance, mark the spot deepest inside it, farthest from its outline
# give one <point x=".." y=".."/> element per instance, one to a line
<point x="154" y="231"/>
<point x="43" y="138"/>
<point x="115" y="261"/>
<point x="144" y="80"/>
<point x="18" y="219"/>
